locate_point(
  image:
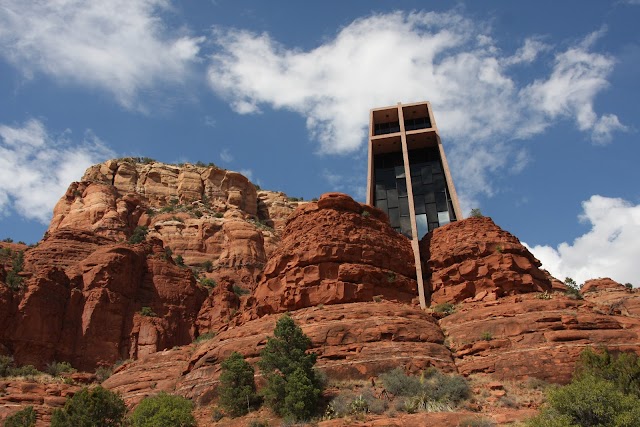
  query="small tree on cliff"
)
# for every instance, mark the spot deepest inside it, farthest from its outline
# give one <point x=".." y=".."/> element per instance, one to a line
<point x="237" y="386"/>
<point x="292" y="388"/>
<point x="91" y="407"/>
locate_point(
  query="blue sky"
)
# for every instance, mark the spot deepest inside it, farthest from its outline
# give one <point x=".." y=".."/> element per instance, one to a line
<point x="536" y="103"/>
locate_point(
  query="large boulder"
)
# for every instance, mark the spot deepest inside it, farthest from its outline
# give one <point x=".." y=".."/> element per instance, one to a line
<point x="336" y="251"/>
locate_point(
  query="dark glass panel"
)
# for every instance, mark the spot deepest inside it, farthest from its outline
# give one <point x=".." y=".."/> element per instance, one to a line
<point x="430" y="197"/>
<point x="382" y="204"/>
<point x="453" y="213"/>
<point x="418" y="190"/>
<point x="394" y="217"/>
<point x="405" y="225"/>
<point x="433" y="226"/>
<point x="392" y="198"/>
<point x="399" y="172"/>
<point x="441" y="201"/>
<point x="381" y="193"/>
<point x="421" y="225"/>
<point x="402" y="187"/>
<point x="432" y="212"/>
<point x="404" y="205"/>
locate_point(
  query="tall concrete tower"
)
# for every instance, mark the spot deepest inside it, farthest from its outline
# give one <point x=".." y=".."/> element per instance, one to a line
<point x="408" y="175"/>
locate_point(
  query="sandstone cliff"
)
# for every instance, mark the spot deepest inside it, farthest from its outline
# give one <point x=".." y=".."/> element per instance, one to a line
<point x="91" y="298"/>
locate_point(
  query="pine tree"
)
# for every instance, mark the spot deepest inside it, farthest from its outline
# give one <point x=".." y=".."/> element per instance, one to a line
<point x="292" y="387"/>
<point x="237" y="387"/>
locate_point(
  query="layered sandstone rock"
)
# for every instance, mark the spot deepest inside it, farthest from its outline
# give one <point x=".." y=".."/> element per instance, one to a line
<point x="204" y="214"/>
<point x="336" y="251"/>
<point x="534" y="335"/>
<point x="601" y="284"/>
<point x="355" y="340"/>
<point x="475" y="258"/>
<point x="90" y="314"/>
<point x="44" y="397"/>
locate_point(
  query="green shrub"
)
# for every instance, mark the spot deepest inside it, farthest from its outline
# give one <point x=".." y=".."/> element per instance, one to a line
<point x="475" y="213"/>
<point x="573" y="290"/>
<point x="9" y="369"/>
<point x="23" y="418"/>
<point x="622" y="369"/>
<point x="209" y="283"/>
<point x="486" y="336"/>
<point x="445" y="308"/>
<point x="207" y="266"/>
<point x="6" y="363"/>
<point x="398" y="383"/>
<point x="239" y="291"/>
<point x="433" y="391"/>
<point x="204" y="337"/>
<point x="139" y="235"/>
<point x="237" y="388"/>
<point x="147" y="312"/>
<point x="628" y="286"/>
<point x="58" y="368"/>
<point x="102" y="373"/>
<point x="163" y="410"/>
<point x="179" y="260"/>
<point x="292" y="388"/>
<point x="89" y="408"/>
<point x="589" y="401"/>
<point x="218" y="214"/>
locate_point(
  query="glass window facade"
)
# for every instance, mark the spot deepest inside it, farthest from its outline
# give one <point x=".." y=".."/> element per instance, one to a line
<point x="433" y="206"/>
<point x="419" y="123"/>
<point x="384" y="128"/>
<point x="391" y="190"/>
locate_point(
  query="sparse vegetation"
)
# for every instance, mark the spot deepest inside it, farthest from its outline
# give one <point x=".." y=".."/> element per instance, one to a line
<point x="207" y="266"/>
<point x="475" y="213"/>
<point x="238" y="290"/>
<point x="391" y="277"/>
<point x="7" y="240"/>
<point x="295" y="199"/>
<point x="573" y="290"/>
<point x="237" y="388"/>
<point x="179" y="260"/>
<point x="13" y="278"/>
<point x="433" y="391"/>
<point x="91" y="407"/>
<point x="163" y="410"/>
<point x="139" y="235"/>
<point x="544" y="295"/>
<point x="365" y="214"/>
<point x="147" y="312"/>
<point x="486" y="336"/>
<point x="143" y="160"/>
<point x="24" y="418"/>
<point x="56" y="369"/>
<point x="204" y="337"/>
<point x="292" y="388"/>
<point x="8" y="368"/>
<point x="628" y="286"/>
<point x="102" y="373"/>
<point x="209" y="283"/>
<point x="605" y="391"/>
<point x="477" y="422"/>
<point x="445" y="308"/>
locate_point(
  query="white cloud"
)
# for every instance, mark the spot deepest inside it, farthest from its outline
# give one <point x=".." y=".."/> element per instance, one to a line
<point x="611" y="247"/>
<point x="577" y="76"/>
<point x="120" y="46"/>
<point x="210" y="121"/>
<point x="442" y="57"/>
<point x="226" y="155"/>
<point x="36" y="168"/>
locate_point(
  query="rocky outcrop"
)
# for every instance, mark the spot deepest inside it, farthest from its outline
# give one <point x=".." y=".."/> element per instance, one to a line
<point x="476" y="259"/>
<point x="44" y="397"/>
<point x="601" y="284"/>
<point x="355" y="340"/>
<point x="207" y="215"/>
<point x="336" y="251"/>
<point x="92" y="314"/>
<point x="534" y="335"/>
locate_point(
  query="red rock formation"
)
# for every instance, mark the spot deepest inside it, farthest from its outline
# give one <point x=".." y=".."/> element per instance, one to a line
<point x="15" y="395"/>
<point x="90" y="315"/>
<point x="601" y="284"/>
<point x="534" y="335"/>
<point x="352" y="341"/>
<point x="336" y="251"/>
<point x="475" y="258"/>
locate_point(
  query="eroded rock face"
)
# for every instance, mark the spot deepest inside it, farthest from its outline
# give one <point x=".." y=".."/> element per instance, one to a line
<point x="336" y="251"/>
<point x="601" y="284"/>
<point x="528" y="335"/>
<point x="90" y="314"/>
<point x="352" y="341"/>
<point x="475" y="258"/>
<point x="204" y="214"/>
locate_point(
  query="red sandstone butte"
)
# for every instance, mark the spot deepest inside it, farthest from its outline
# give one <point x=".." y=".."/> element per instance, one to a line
<point x="475" y="258"/>
<point x="336" y="251"/>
